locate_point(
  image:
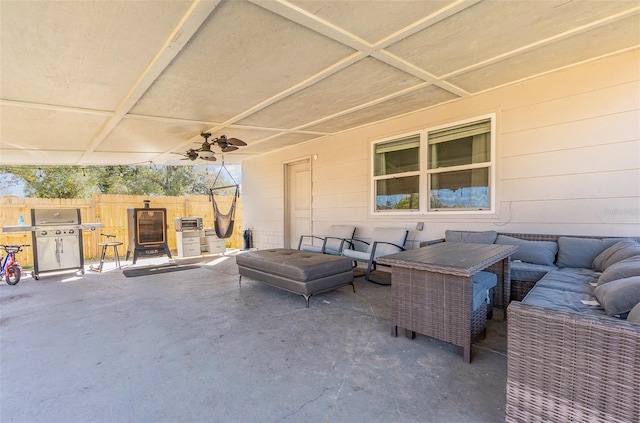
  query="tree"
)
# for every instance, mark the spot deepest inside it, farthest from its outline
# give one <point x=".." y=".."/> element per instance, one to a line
<point x="52" y="181"/>
<point x="82" y="182"/>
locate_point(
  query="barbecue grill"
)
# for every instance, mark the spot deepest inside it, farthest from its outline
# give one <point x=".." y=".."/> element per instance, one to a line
<point x="57" y="239"/>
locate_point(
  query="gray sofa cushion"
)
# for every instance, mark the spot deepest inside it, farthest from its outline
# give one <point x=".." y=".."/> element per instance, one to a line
<point x="616" y="253"/>
<point x="620" y="296"/>
<point x="634" y="314"/>
<point x="574" y="280"/>
<point x="487" y="237"/>
<point x="580" y="252"/>
<point x="563" y="300"/>
<point x="623" y="269"/>
<point x="536" y="252"/>
<point x="528" y="272"/>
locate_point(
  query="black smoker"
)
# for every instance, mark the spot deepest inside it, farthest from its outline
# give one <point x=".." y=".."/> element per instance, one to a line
<point x="147" y="232"/>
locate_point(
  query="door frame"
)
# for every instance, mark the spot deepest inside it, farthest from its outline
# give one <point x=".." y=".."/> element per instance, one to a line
<point x="286" y="166"/>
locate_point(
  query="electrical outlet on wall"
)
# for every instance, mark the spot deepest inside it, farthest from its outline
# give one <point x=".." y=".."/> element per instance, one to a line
<point x="420" y="226"/>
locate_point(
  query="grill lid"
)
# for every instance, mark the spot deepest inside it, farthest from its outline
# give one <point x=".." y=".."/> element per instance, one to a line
<point x="55" y="217"/>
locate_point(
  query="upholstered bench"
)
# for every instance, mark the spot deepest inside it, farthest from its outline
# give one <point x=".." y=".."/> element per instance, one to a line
<point x="299" y="272"/>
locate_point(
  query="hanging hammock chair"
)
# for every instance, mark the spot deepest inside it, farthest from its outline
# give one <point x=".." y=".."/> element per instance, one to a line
<point x="223" y="222"/>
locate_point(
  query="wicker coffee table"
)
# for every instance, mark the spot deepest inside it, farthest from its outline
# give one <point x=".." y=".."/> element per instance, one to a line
<point x="432" y="288"/>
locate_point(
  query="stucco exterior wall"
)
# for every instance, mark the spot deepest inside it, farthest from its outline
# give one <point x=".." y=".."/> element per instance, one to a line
<point x="567" y="161"/>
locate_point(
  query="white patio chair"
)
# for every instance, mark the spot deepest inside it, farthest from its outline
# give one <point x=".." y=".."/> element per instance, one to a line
<point x="384" y="241"/>
<point x="332" y="243"/>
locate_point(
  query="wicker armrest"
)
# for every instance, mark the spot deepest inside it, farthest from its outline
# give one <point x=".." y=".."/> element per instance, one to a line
<point x="567" y="366"/>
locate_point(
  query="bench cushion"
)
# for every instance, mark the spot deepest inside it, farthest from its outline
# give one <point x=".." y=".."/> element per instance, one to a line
<point x="529" y="272"/>
<point x="568" y="291"/>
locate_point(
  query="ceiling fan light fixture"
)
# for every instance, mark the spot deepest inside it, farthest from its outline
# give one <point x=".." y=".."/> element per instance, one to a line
<point x="205" y="153"/>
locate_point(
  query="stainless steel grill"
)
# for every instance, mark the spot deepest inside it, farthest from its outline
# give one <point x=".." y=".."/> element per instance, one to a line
<point x="57" y="240"/>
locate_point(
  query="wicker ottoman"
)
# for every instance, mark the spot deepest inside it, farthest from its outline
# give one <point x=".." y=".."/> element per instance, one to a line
<point x="299" y="272"/>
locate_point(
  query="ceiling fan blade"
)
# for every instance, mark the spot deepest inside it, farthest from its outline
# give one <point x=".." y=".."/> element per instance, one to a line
<point x="210" y="159"/>
<point x="229" y="148"/>
<point x="235" y="141"/>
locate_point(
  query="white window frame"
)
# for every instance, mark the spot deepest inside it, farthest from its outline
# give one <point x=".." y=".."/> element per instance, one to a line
<point x="424" y="172"/>
<point x="374" y="178"/>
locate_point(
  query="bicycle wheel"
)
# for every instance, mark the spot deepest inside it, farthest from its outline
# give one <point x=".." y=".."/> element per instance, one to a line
<point x="13" y="275"/>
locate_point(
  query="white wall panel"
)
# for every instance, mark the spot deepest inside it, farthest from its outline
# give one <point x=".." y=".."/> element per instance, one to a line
<point x="338" y="185"/>
<point x="340" y="200"/>
<point x="601" y="102"/>
<point x="611" y="185"/>
<point x="624" y="126"/>
<point x="602" y="158"/>
<point x="603" y="214"/>
<point x="568" y="160"/>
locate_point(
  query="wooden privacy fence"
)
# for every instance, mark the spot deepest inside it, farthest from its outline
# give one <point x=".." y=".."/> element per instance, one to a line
<point x="111" y="210"/>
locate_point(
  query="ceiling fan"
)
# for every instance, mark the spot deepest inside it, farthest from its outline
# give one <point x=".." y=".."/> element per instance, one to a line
<point x="204" y="152"/>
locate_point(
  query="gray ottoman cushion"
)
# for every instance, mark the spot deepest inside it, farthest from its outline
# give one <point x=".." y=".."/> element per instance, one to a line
<point x="294" y="264"/>
<point x="297" y="271"/>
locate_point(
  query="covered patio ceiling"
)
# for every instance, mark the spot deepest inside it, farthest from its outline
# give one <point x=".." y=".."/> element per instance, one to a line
<point x="131" y="82"/>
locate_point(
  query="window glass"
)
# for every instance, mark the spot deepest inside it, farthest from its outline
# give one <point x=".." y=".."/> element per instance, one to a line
<point x="397" y="156"/>
<point x="464" y="189"/>
<point x="452" y="168"/>
<point x="459" y="152"/>
<point x="398" y="193"/>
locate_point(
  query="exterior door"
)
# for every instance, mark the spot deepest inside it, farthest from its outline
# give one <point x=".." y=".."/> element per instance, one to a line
<point x="297" y="202"/>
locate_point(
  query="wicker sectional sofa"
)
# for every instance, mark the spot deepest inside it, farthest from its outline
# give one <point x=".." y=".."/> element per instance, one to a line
<point x="569" y="358"/>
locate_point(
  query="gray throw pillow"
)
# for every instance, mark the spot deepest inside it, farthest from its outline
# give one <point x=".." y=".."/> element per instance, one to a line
<point x="620" y="296"/>
<point x="634" y="314"/>
<point x="580" y="252"/>
<point x="624" y="269"/>
<point x="536" y="252"/>
<point x="617" y="252"/>
<point x="487" y="237"/>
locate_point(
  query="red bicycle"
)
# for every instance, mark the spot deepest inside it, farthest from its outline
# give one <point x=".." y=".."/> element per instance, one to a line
<point x="11" y="269"/>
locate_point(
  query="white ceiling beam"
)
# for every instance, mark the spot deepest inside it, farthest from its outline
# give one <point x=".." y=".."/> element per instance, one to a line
<point x="54" y="107"/>
<point x="179" y="37"/>
<point x="439" y="15"/>
<point x="546" y="41"/>
<point x="403" y="65"/>
<point x="336" y="67"/>
<point x="314" y="23"/>
<point x="311" y="21"/>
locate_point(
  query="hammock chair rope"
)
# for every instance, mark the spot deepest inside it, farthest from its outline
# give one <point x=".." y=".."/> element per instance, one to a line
<point x="223" y="222"/>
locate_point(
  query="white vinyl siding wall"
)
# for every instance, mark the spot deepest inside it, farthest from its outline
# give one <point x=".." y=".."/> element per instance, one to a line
<point x="567" y="161"/>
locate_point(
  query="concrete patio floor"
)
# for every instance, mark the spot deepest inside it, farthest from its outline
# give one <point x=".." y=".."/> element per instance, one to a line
<point x="194" y="346"/>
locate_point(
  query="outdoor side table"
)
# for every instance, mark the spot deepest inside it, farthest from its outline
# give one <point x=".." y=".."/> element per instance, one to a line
<point x="105" y="246"/>
<point x="432" y="290"/>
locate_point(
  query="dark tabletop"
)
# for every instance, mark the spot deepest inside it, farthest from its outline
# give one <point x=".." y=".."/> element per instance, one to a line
<point x="455" y="258"/>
